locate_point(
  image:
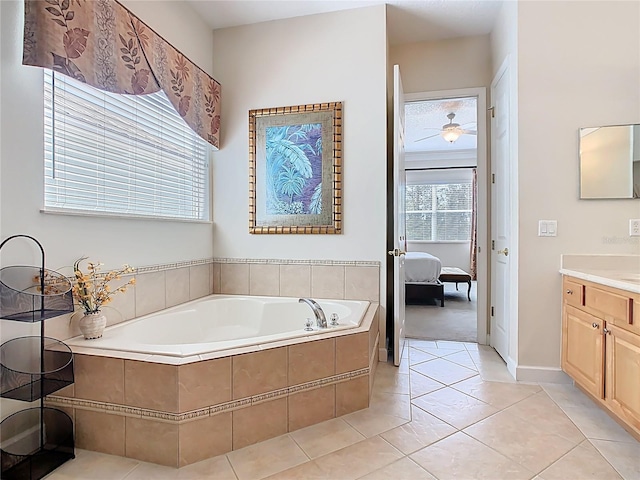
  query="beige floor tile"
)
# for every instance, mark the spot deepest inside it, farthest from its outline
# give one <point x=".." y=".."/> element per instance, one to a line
<point x="391" y="381"/>
<point x="101" y="466"/>
<point x="370" y="423"/>
<point x="405" y="469"/>
<point x="266" y="458"/>
<point x="421" y="344"/>
<point x="421" y="384"/>
<point x="462" y="358"/>
<point x="523" y="442"/>
<point x="544" y="413"/>
<point x="418" y="356"/>
<point x="326" y="437"/>
<point x="494" y="372"/>
<point x="472" y="347"/>
<point x="582" y="462"/>
<point x="449" y="345"/>
<point x="454" y="407"/>
<point x="358" y="459"/>
<point x="404" y="367"/>
<point x="497" y="394"/>
<point x="444" y="371"/>
<point x="424" y="429"/>
<point x="306" y="471"/>
<point x="623" y="456"/>
<point x="217" y="468"/>
<point x="396" y="404"/>
<point x="596" y="424"/>
<point x="462" y="457"/>
<point x="567" y="395"/>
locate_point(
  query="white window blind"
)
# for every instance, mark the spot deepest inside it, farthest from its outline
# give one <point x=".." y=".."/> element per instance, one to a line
<point x="120" y="154"/>
<point x="439" y="212"/>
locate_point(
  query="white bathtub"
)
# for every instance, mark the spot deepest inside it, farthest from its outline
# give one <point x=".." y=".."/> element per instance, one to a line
<point x="221" y="322"/>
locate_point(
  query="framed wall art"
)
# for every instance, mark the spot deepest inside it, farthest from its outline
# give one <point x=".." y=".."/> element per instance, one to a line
<point x="295" y="169"/>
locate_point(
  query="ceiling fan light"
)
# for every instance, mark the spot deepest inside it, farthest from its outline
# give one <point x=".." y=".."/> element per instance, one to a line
<point x="451" y="134"/>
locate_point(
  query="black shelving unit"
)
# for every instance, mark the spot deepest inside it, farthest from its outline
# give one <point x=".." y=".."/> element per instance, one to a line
<point x="37" y="440"/>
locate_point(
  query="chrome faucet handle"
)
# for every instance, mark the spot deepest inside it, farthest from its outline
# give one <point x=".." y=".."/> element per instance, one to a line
<point x="308" y="325"/>
<point x="334" y="319"/>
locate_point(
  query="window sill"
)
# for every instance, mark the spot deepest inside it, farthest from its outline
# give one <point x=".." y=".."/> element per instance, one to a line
<point x="88" y="213"/>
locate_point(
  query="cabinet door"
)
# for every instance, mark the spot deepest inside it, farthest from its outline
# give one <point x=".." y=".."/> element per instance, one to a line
<point x="623" y="374"/>
<point x="583" y="349"/>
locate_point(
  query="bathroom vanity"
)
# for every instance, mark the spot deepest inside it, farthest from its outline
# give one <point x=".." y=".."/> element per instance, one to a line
<point x="601" y="332"/>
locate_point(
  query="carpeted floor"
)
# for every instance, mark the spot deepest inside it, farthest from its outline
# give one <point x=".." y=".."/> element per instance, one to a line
<point x="456" y="321"/>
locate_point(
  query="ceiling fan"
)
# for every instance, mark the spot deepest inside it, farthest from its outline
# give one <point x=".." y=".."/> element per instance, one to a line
<point x="450" y="131"/>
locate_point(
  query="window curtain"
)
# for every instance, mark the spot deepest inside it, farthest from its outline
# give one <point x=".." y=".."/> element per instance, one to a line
<point x="474" y="225"/>
<point x="103" y="44"/>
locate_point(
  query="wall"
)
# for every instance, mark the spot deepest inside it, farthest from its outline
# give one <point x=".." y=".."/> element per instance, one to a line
<point x="568" y="78"/>
<point x="65" y="238"/>
<point x="444" y="65"/>
<point x="299" y="61"/>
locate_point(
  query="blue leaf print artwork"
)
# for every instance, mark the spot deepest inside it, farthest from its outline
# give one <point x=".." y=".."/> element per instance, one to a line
<point x="294" y="169"/>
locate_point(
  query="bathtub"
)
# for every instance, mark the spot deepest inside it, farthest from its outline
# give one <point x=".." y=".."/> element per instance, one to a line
<point x="222" y="322"/>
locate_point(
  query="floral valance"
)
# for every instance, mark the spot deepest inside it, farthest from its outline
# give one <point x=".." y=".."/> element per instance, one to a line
<point x="103" y="44"/>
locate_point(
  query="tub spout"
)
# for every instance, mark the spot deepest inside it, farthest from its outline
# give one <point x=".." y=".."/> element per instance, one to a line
<point x="321" y="320"/>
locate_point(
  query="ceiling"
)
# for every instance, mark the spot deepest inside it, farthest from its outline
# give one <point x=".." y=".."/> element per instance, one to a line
<point x="425" y="118"/>
<point x="409" y="21"/>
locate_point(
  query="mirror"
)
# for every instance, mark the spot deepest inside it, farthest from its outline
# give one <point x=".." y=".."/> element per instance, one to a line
<point x="610" y="162"/>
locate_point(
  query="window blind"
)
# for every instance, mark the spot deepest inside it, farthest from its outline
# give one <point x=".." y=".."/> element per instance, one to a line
<point x="121" y="154"/>
<point x="439" y="212"/>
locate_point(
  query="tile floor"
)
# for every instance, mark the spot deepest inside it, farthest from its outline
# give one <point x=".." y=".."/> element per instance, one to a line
<point x="450" y="411"/>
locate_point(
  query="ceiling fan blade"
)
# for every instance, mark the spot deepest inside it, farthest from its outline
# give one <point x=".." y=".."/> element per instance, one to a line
<point x="470" y="132"/>
<point x="424" y="138"/>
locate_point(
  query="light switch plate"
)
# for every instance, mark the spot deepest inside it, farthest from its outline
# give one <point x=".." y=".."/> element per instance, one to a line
<point x="634" y="228"/>
<point x="547" y="228"/>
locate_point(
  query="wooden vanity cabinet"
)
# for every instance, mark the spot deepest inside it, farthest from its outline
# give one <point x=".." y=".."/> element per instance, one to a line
<point x="601" y="346"/>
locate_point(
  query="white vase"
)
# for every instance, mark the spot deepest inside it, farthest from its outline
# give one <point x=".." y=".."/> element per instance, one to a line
<point x="92" y="325"/>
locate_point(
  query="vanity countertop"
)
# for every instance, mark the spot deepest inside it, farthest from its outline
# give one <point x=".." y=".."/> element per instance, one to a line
<point x="628" y="281"/>
<point x="617" y="271"/>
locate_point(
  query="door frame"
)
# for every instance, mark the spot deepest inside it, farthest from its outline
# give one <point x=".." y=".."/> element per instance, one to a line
<point x="483" y="292"/>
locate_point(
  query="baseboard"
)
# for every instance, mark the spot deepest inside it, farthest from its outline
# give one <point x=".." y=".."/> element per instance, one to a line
<point x="383" y="354"/>
<point x="540" y="374"/>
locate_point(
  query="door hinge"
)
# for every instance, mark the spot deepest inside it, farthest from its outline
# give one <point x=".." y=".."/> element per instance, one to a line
<point x="493" y="111"/>
<point x="493" y="311"/>
<point x="493" y="178"/>
<point x="493" y="244"/>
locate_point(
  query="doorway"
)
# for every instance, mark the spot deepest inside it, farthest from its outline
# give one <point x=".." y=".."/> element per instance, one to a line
<point x="446" y="215"/>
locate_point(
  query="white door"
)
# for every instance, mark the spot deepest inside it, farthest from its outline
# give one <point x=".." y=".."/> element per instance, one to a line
<point x="500" y="213"/>
<point x="399" y="228"/>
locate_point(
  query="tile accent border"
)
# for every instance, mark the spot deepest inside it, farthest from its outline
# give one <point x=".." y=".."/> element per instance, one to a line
<point x="171" y="266"/>
<point x="179" y="418"/>
<point x="275" y="261"/>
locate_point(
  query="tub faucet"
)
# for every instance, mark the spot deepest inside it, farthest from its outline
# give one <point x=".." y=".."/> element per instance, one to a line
<point x="321" y="320"/>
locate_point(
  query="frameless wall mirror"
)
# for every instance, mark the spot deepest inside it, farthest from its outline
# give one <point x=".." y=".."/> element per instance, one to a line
<point x="610" y="162"/>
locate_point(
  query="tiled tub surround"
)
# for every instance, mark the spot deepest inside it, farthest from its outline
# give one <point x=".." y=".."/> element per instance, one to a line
<point x="179" y="414"/>
<point x="157" y="287"/>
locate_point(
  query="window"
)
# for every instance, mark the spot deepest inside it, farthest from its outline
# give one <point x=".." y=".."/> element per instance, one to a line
<point x="439" y="212"/>
<point x="120" y="155"/>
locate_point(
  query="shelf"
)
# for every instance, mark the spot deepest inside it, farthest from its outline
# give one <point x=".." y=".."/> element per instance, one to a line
<point x="32" y="367"/>
<point x="35" y="441"/>
<point x="33" y="294"/>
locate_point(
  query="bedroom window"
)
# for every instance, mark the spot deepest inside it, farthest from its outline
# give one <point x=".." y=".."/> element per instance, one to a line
<point x="439" y="212"/>
<point x="109" y="154"/>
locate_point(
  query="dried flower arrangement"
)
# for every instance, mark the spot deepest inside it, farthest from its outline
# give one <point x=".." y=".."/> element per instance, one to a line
<point x="92" y="289"/>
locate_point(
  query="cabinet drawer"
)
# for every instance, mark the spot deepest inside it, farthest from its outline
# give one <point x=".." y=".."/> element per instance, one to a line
<point x="573" y="293"/>
<point x="617" y="308"/>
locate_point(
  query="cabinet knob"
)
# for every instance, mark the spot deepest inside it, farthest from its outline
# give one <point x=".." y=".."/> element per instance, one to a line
<point x="595" y="325"/>
<point x="569" y="292"/>
<point x="605" y="331"/>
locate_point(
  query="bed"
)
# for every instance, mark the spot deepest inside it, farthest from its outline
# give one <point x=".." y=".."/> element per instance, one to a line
<point x="422" y="273"/>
